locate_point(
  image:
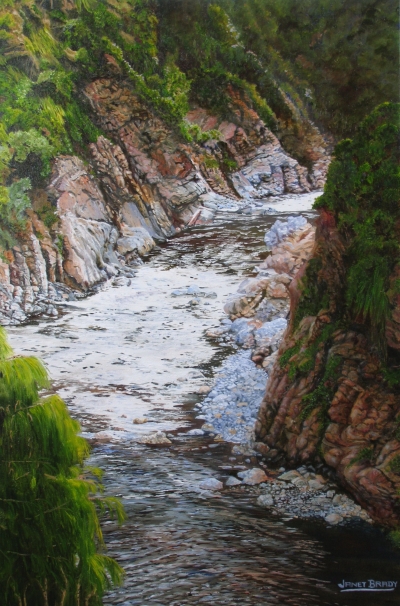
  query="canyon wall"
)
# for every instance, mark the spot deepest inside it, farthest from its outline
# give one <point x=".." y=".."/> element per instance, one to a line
<point x="327" y="397"/>
<point x="140" y="182"/>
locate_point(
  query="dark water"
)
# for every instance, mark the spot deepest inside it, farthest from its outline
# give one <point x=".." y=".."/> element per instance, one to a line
<point x="177" y="547"/>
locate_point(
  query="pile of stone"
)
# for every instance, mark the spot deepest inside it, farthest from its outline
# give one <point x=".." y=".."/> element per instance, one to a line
<point x="303" y="493"/>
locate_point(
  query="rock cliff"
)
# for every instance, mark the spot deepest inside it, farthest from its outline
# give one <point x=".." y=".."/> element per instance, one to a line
<point x="140" y="182"/>
<point x="333" y="394"/>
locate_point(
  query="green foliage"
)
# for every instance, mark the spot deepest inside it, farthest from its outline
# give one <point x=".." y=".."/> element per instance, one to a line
<point x="50" y="535"/>
<point x="339" y="57"/>
<point x="394" y="536"/>
<point x="25" y="143"/>
<point x="362" y="191"/>
<point x="321" y="396"/>
<point x="314" y="292"/>
<point x="395" y="464"/>
<point x="365" y="454"/>
<point x="13" y="205"/>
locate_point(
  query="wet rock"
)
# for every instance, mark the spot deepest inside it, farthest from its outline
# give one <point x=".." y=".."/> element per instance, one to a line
<point x="154" y="438"/>
<point x="289" y="476"/>
<point x="265" y="500"/>
<point x="211" y="484"/>
<point x="333" y="518"/>
<point x="203" y="390"/>
<point x="251" y="477"/>
<point x="195" y="432"/>
<point x="282" y="229"/>
<point x="140" y="420"/>
<point x="231" y="481"/>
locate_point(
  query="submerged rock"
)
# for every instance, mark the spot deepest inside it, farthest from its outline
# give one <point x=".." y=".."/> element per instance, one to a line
<point x="211" y="484"/>
<point x="154" y="438"/>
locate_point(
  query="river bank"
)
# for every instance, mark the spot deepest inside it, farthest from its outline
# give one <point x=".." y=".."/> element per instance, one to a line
<point x="135" y="350"/>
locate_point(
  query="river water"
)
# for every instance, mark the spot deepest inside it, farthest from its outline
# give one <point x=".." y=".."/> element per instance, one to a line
<point x="134" y="349"/>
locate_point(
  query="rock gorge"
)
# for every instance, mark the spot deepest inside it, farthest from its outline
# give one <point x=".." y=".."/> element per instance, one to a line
<point x="142" y="183"/>
<point x="332" y="395"/>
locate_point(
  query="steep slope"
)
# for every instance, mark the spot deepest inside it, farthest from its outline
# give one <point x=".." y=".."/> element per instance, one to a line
<point x="104" y="152"/>
<point x="333" y="395"/>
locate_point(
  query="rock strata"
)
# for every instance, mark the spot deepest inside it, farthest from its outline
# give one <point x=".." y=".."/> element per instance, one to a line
<point x="143" y="183"/>
<point x="327" y="397"/>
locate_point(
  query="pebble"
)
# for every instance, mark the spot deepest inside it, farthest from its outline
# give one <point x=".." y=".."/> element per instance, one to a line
<point x="333" y="518"/>
<point x="211" y="484"/>
<point x="231" y="481"/>
<point x="254" y="476"/>
<point x="265" y="500"/>
<point x="154" y="438"/>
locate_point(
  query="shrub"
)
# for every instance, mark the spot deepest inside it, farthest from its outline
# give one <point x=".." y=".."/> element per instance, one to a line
<point x="50" y="536"/>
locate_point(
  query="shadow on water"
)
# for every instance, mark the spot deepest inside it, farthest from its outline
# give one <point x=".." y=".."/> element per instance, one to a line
<point x="119" y="356"/>
<point x="179" y="547"/>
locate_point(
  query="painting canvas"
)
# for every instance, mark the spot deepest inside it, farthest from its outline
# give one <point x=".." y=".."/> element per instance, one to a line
<point x="199" y="303"/>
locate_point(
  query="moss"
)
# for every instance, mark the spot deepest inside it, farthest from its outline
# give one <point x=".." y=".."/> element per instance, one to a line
<point x="321" y="396"/>
<point x="314" y="296"/>
<point x="394" y="464"/>
<point x="365" y="454"/>
<point x="60" y="244"/>
<point x="48" y="215"/>
<point x="394" y="536"/>
<point x="362" y="192"/>
<point x="210" y="162"/>
<point x="289" y="353"/>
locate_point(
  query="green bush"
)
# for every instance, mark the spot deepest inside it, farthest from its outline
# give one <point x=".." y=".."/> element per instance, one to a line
<point x="50" y="537"/>
<point x="362" y="190"/>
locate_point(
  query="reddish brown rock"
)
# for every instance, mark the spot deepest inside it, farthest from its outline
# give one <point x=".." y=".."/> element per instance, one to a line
<point x="344" y="414"/>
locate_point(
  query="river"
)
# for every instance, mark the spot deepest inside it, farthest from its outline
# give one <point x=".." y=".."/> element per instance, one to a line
<point x="134" y="349"/>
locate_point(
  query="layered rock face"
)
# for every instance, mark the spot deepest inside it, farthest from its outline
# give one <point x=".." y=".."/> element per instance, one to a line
<point x="328" y="397"/>
<point x="142" y="183"/>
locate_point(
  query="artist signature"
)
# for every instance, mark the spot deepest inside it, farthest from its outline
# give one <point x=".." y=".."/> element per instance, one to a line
<point x="369" y="585"/>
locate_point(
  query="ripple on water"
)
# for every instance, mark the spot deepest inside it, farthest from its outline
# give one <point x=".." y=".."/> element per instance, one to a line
<point x="136" y="351"/>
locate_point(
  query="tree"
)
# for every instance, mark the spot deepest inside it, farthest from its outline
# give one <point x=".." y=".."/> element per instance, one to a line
<point x="50" y="536"/>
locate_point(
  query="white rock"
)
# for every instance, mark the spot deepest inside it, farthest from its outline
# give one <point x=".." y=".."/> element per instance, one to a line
<point x="211" y="484"/>
<point x="289" y="476"/>
<point x="333" y="518"/>
<point x="140" y="420"/>
<point x="315" y="484"/>
<point x="195" y="432"/>
<point x="253" y="476"/>
<point x="265" y="500"/>
<point x="231" y="481"/>
<point x="135" y="239"/>
<point x="155" y="438"/>
<point x="281" y="230"/>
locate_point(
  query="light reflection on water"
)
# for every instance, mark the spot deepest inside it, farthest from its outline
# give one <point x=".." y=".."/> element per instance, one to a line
<point x="135" y="350"/>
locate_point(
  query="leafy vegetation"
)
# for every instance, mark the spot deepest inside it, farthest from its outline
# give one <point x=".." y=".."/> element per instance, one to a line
<point x="50" y="538"/>
<point x="362" y="191"/>
<point x="365" y="454"/>
<point x="287" y="58"/>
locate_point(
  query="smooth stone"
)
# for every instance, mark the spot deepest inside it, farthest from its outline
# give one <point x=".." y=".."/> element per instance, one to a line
<point x="231" y="481"/>
<point x="254" y="476"/>
<point x="315" y="484"/>
<point x="289" y="476"/>
<point x="155" y="438"/>
<point x="211" y="484"/>
<point x="140" y="420"/>
<point x="333" y="518"/>
<point x="265" y="500"/>
<point x="195" y="432"/>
